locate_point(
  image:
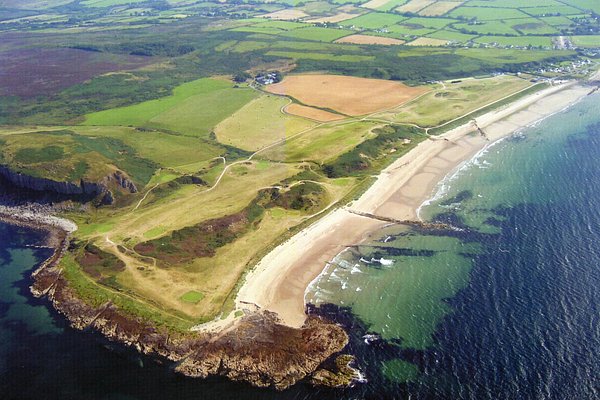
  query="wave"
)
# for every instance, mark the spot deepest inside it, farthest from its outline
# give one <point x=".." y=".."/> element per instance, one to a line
<point x="443" y="187"/>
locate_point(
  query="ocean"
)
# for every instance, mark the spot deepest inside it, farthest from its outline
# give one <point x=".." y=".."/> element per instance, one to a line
<point x="496" y="299"/>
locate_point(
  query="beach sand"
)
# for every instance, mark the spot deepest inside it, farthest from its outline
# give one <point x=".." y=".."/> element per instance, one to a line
<point x="279" y="281"/>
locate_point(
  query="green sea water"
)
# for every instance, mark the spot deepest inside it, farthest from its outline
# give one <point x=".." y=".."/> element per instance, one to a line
<point x="408" y="283"/>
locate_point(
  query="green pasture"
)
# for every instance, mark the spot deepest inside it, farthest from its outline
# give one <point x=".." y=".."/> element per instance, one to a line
<point x="518" y="41"/>
<point x="194" y="108"/>
<point x="282" y="25"/>
<point x="532" y="26"/>
<point x="108" y="3"/>
<point x="558" y="21"/>
<point x="318" y="8"/>
<point x="374" y="20"/>
<point x="513" y="3"/>
<point x="553" y="10"/>
<point x="510" y="56"/>
<point x="317" y="34"/>
<point x="487" y="13"/>
<point x="451" y="35"/>
<point x="404" y="29"/>
<point x="436" y="23"/>
<point x="586" y="5"/>
<point x="487" y="28"/>
<point x="260" y="123"/>
<point x="586" y="41"/>
<point x="349" y="58"/>
<point x="322" y="143"/>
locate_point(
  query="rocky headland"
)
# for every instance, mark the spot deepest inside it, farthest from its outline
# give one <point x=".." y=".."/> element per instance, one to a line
<point x="256" y="348"/>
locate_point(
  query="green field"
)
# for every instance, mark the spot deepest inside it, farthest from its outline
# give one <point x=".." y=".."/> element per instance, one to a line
<point x="586" y="41"/>
<point x="194" y="108"/>
<point x="437" y="23"/>
<point x="374" y="20"/>
<point x="487" y="14"/>
<point x="192" y="297"/>
<point x="260" y="123"/>
<point x="345" y="58"/>
<point x="487" y="28"/>
<point x="451" y="35"/>
<point x="108" y="3"/>
<point x="322" y="144"/>
<point x="519" y="41"/>
<point x="317" y="34"/>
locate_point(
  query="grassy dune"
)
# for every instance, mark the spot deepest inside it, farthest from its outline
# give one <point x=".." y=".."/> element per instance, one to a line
<point x="455" y="99"/>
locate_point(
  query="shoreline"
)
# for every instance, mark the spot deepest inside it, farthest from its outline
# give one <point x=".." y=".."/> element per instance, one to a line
<point x="275" y="320"/>
<point x="398" y="193"/>
<point x="257" y="349"/>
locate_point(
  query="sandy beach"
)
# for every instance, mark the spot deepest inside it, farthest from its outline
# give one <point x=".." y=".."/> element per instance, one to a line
<point x="279" y="281"/>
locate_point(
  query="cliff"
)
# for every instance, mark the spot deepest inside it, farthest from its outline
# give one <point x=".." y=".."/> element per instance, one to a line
<point x="256" y="349"/>
<point x="82" y="188"/>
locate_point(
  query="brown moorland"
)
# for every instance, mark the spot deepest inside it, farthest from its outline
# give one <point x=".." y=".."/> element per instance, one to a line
<point x="345" y="94"/>
<point x="34" y="72"/>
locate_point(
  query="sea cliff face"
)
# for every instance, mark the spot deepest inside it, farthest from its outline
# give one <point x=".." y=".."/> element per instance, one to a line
<point x="85" y="188"/>
<point x="256" y="349"/>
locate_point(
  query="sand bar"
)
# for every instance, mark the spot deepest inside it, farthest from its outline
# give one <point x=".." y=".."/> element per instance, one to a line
<point x="279" y="281"/>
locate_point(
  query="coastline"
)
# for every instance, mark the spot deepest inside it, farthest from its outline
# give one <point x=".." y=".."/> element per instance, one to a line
<point x="397" y="194"/>
<point x="275" y="330"/>
<point x="256" y="349"/>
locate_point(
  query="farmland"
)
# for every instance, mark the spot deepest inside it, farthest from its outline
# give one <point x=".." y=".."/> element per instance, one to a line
<point x="347" y="95"/>
<point x="194" y="108"/>
<point x="248" y="129"/>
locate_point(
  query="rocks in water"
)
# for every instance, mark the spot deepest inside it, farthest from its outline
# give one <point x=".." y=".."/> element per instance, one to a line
<point x="342" y="375"/>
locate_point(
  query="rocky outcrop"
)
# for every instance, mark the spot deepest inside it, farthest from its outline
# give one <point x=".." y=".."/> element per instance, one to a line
<point x="123" y="181"/>
<point x="343" y="375"/>
<point x="264" y="353"/>
<point x="43" y="184"/>
<point x="82" y="188"/>
<point x="256" y="348"/>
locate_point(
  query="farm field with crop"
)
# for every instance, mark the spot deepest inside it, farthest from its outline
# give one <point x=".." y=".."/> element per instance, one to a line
<point x="347" y="95"/>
